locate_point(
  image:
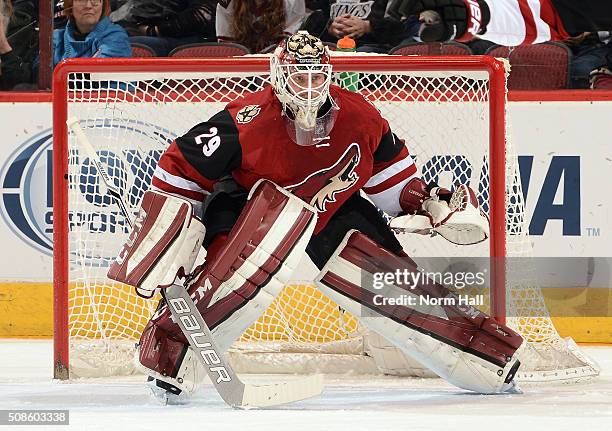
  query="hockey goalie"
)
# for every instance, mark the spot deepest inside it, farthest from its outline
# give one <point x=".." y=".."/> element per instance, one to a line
<point x="283" y="172"/>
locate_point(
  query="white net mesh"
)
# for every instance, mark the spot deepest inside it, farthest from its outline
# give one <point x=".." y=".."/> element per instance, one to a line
<point x="130" y="118"/>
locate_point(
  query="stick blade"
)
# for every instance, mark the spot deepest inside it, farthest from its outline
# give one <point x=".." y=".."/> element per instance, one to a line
<point x="281" y="393"/>
<point x="231" y="389"/>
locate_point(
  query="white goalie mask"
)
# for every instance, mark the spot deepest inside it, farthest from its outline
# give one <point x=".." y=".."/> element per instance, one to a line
<point x="300" y="72"/>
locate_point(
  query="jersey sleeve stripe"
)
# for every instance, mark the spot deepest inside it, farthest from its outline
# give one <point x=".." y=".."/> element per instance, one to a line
<point x="542" y="29"/>
<point x="525" y="7"/>
<point x="400" y="165"/>
<point x="194" y="196"/>
<point x="388" y="199"/>
<point x="390" y="182"/>
<point x="195" y="201"/>
<point x="176" y="181"/>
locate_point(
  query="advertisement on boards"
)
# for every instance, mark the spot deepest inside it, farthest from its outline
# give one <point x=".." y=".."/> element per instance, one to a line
<point x="562" y="173"/>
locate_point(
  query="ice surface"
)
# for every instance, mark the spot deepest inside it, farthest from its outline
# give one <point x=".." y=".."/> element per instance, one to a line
<point x="348" y="402"/>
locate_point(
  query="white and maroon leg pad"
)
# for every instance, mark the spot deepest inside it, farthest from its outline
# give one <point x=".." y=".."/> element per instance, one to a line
<point x="164" y="243"/>
<point x="263" y="249"/>
<point x="459" y="343"/>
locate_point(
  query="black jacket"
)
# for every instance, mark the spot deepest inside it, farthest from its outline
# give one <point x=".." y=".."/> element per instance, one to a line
<point x="174" y="18"/>
<point x="385" y="29"/>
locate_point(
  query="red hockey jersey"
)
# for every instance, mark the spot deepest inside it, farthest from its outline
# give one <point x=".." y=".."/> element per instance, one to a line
<point x="523" y="22"/>
<point x="249" y="141"/>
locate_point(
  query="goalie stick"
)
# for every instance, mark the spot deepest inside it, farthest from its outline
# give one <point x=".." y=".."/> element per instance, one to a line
<point x="411" y="224"/>
<point x="231" y="389"/>
<point x="419" y="225"/>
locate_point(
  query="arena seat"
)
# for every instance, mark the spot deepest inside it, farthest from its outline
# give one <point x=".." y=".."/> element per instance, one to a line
<point x="544" y="66"/>
<point x="433" y="48"/>
<point x="140" y="50"/>
<point x="209" y="49"/>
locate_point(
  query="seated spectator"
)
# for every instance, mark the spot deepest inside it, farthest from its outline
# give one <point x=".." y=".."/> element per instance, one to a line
<point x="7" y="57"/>
<point x="164" y="25"/>
<point x="60" y="19"/>
<point x="410" y="24"/>
<point x="365" y="21"/>
<point x="589" y="51"/>
<point x="601" y="78"/>
<point x="18" y="43"/>
<point x="258" y="24"/>
<point x="89" y="33"/>
<point x="317" y="17"/>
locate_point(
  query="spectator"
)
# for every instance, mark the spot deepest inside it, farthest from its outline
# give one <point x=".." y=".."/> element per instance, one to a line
<point x="479" y="46"/>
<point x="601" y="78"/>
<point x="410" y="24"/>
<point x="18" y="43"/>
<point x="410" y="30"/>
<point x="7" y="57"/>
<point x="589" y="51"/>
<point x="258" y="24"/>
<point x="89" y="32"/>
<point x="317" y="12"/>
<point x="366" y="21"/>
<point x="59" y="16"/>
<point x="165" y="24"/>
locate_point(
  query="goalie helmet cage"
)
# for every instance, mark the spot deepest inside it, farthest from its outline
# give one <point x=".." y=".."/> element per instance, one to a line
<point x="450" y="111"/>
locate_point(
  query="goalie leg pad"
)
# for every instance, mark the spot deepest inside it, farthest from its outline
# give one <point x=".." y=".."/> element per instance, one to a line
<point x="459" y="343"/>
<point x="164" y="243"/>
<point x="263" y="249"/>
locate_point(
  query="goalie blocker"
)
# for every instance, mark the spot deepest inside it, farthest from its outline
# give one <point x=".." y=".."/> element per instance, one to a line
<point x="239" y="281"/>
<point x="459" y="343"/>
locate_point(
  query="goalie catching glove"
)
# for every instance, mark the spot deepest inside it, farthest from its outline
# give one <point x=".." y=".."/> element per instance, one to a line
<point x="455" y="216"/>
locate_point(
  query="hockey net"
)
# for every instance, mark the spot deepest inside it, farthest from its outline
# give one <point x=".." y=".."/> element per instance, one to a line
<point x="451" y="113"/>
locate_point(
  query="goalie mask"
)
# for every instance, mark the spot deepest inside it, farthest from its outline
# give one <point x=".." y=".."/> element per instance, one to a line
<point x="300" y="72"/>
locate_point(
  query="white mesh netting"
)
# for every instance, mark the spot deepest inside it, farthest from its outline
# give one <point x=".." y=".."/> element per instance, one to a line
<point x="131" y="117"/>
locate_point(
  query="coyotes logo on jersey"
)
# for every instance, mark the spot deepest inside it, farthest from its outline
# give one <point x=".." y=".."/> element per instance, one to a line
<point x="322" y="186"/>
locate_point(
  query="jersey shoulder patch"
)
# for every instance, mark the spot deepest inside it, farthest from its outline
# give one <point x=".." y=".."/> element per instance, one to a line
<point x="247" y="114"/>
<point x="246" y="107"/>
